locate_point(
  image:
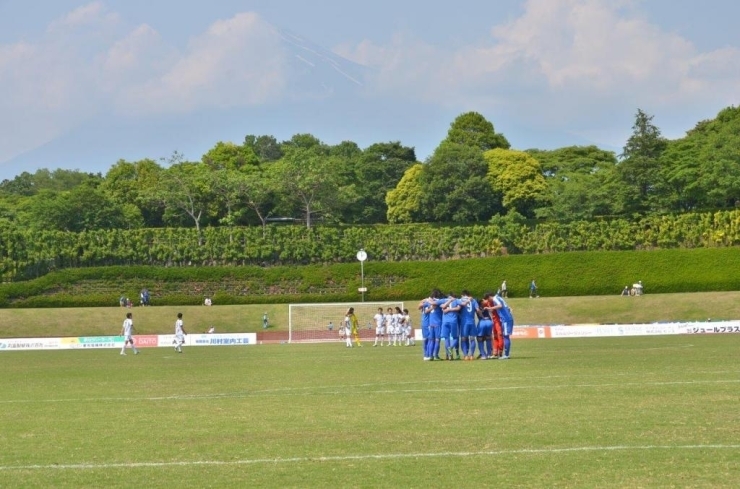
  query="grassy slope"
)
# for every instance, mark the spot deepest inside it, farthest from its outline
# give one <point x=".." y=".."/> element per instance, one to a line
<point x="248" y="318"/>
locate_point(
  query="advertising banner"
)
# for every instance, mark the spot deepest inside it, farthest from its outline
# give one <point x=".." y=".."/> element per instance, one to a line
<point x="20" y="344"/>
<point x="235" y="339"/>
<point x="146" y="341"/>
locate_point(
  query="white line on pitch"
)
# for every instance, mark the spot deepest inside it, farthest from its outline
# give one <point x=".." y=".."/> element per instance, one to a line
<point x="275" y="393"/>
<point x="390" y="456"/>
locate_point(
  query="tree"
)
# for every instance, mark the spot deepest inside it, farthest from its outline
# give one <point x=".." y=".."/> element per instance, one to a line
<point x="186" y="188"/>
<point x="376" y="171"/>
<point x="455" y="186"/>
<point x="582" y="183"/>
<point x="301" y="141"/>
<point x="517" y="177"/>
<point x="230" y="156"/>
<point x="133" y="184"/>
<point x="83" y="208"/>
<point x="266" y="148"/>
<point x="404" y="201"/>
<point x="640" y="162"/>
<point x="249" y="187"/>
<point x="702" y="170"/>
<point x="307" y="179"/>
<point x="473" y="130"/>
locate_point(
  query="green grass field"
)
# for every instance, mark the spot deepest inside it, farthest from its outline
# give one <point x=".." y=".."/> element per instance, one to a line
<point x="627" y="412"/>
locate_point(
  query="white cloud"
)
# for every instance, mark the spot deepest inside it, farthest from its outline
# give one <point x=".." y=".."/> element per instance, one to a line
<point x="236" y="62"/>
<point x="89" y="62"/>
<point x="92" y="14"/>
<point x="562" y="61"/>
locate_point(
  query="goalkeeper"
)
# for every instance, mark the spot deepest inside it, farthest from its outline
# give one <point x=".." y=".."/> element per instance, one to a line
<point x="353" y="325"/>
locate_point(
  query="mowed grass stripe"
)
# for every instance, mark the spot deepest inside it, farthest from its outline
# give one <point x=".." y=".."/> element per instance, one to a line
<point x="335" y="392"/>
<point x="349" y="458"/>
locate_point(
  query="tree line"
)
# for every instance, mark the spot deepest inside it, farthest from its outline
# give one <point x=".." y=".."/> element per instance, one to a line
<point x="473" y="176"/>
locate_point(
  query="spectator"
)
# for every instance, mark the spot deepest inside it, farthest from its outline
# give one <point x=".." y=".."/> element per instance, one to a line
<point x="331" y="326"/>
<point x="144" y="297"/>
<point x="211" y="330"/>
<point x="208" y="302"/>
<point x="122" y="301"/>
<point x="626" y="291"/>
<point x="504" y="290"/>
<point x="264" y="321"/>
<point x="533" y="289"/>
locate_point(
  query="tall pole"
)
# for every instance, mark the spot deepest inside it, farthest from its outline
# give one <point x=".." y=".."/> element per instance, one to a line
<point x="362" y="256"/>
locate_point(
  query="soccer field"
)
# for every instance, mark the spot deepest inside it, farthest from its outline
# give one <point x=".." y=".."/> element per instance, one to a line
<point x="615" y="412"/>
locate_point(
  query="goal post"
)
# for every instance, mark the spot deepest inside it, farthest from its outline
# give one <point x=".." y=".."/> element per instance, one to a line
<point x="313" y="323"/>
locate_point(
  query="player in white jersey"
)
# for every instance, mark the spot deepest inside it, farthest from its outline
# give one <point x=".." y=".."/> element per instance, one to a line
<point x="379" y="326"/>
<point x="409" y="330"/>
<point x="179" y="333"/>
<point x="398" y="327"/>
<point x="127" y="331"/>
<point x="388" y="318"/>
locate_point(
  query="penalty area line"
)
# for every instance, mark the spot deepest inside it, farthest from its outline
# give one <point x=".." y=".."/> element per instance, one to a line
<point x="346" y="458"/>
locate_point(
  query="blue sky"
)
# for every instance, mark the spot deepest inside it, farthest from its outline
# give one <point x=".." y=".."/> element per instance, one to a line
<point x="85" y="83"/>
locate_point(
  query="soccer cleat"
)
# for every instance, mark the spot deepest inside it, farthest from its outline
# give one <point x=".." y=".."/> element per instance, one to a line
<point x="123" y="354"/>
<point x="505" y="357"/>
<point x="136" y="352"/>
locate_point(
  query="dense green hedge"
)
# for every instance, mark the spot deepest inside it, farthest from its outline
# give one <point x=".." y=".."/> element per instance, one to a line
<point x="28" y="254"/>
<point x="562" y="274"/>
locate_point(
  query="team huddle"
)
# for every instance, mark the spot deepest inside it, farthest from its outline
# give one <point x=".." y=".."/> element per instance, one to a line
<point x="464" y="323"/>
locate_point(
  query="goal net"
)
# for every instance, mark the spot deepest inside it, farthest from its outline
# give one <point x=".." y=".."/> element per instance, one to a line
<point x="312" y="323"/>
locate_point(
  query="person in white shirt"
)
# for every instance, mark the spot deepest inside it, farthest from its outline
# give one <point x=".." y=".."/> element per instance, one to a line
<point x="409" y="330"/>
<point x="127" y="331"/>
<point x="379" y="327"/>
<point x="179" y="333"/>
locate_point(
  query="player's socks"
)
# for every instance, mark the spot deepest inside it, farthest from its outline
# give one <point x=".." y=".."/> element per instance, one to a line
<point x="465" y="347"/>
<point x="489" y="348"/>
<point x="481" y="351"/>
<point x="507" y="346"/>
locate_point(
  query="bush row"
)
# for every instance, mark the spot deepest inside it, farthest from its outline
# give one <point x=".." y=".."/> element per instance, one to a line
<point x="28" y="254"/>
<point x="561" y="274"/>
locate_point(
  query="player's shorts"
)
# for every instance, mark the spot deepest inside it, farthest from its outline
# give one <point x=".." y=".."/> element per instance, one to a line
<point x="425" y="332"/>
<point x="450" y="330"/>
<point x="179" y="339"/>
<point x="128" y="338"/>
<point x="469" y="330"/>
<point x="434" y="332"/>
<point x="379" y="330"/>
<point x="485" y="328"/>
<point x="407" y="331"/>
<point x="507" y="327"/>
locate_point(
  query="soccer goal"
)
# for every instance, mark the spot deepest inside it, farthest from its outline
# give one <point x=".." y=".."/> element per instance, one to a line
<point x="312" y="323"/>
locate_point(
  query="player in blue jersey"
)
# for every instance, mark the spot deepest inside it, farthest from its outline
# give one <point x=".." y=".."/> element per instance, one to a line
<point x="468" y="313"/>
<point x="434" y="309"/>
<point x="507" y="324"/>
<point x="450" y="325"/>
<point x="423" y="308"/>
